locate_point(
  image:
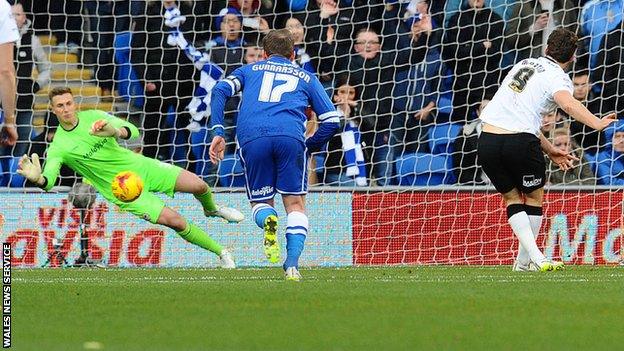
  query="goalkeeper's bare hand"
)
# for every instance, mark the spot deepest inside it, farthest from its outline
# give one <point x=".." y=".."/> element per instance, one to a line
<point x="217" y="149"/>
<point x="30" y="169"/>
<point x="103" y="129"/>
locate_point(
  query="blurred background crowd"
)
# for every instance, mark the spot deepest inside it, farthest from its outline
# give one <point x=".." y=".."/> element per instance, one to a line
<point x="409" y="76"/>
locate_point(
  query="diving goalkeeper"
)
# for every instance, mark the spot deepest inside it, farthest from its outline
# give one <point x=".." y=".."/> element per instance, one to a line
<point x="87" y="143"/>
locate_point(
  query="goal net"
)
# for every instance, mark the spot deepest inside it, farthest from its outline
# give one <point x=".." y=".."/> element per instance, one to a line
<point x="400" y="183"/>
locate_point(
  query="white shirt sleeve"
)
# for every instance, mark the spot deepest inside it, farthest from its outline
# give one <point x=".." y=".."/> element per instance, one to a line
<point x="8" y="27"/>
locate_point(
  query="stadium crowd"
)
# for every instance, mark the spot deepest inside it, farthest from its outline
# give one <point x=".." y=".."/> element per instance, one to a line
<point x="409" y="77"/>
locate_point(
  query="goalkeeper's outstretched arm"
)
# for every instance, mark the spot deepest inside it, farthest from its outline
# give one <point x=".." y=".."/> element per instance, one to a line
<point x="30" y="168"/>
<point x="111" y="126"/>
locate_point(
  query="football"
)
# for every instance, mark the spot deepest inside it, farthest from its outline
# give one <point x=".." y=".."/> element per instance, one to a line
<point x="127" y="186"/>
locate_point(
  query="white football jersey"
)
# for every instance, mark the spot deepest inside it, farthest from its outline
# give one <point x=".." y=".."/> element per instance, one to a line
<point x="8" y="27"/>
<point x="525" y="95"/>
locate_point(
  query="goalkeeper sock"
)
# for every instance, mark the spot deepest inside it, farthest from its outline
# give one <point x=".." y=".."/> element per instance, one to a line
<point x="535" y="216"/>
<point x="260" y="212"/>
<point x="194" y="235"/>
<point x="296" y="231"/>
<point x="207" y="201"/>
<point x="521" y="225"/>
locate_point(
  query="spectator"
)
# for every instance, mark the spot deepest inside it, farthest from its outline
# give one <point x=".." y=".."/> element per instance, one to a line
<point x="229" y="23"/>
<point x="551" y="121"/>
<point x="253" y="54"/>
<point x="302" y="59"/>
<point x="66" y="24"/>
<point x="580" y="173"/>
<point x="610" y="161"/>
<point x="106" y="18"/>
<point x="168" y="77"/>
<point x="227" y="51"/>
<point x="330" y="26"/>
<point x="472" y="48"/>
<point x="254" y="26"/>
<point x="345" y="162"/>
<point x="29" y="53"/>
<point x="599" y="17"/>
<point x="610" y="70"/>
<point x="372" y="72"/>
<point x="417" y="87"/>
<point x="502" y="8"/>
<point x="587" y="137"/>
<point x="531" y="23"/>
<point x="465" y="165"/>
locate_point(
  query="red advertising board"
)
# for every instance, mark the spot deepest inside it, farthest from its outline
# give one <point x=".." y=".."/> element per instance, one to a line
<point x="470" y="227"/>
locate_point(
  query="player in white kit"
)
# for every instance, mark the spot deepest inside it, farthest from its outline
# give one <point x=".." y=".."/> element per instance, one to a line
<point x="510" y="146"/>
<point x="8" y="35"/>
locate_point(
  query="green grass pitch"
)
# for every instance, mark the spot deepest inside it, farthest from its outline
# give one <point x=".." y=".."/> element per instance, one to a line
<point x="397" y="308"/>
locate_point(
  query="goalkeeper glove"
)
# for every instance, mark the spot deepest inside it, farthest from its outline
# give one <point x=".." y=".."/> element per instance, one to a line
<point x="30" y="170"/>
<point x="102" y="128"/>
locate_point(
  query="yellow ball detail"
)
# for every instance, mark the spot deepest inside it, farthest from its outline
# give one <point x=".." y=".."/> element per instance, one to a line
<point x="127" y="186"/>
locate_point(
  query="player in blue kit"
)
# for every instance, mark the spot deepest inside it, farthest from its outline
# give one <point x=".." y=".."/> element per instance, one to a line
<point x="270" y="134"/>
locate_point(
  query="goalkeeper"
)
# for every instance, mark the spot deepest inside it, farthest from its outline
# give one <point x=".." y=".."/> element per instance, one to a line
<point x="87" y="142"/>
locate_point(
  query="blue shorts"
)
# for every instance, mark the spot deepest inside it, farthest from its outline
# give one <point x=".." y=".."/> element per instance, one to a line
<point x="276" y="163"/>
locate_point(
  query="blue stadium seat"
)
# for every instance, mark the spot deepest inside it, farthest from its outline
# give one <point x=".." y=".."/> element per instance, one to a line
<point x="441" y="137"/>
<point x="424" y="169"/>
<point x="231" y="172"/>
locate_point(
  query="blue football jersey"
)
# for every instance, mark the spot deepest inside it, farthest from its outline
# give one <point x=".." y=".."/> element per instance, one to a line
<point x="275" y="95"/>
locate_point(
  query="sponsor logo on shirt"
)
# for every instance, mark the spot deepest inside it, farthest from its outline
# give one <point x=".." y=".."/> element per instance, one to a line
<point x="264" y="191"/>
<point x="95" y="148"/>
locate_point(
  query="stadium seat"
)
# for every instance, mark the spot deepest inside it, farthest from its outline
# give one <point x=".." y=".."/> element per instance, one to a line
<point x="231" y="172"/>
<point x="424" y="169"/>
<point x="441" y="137"/>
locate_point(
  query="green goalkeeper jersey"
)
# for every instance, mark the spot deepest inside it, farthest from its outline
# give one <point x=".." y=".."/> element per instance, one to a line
<point x="96" y="158"/>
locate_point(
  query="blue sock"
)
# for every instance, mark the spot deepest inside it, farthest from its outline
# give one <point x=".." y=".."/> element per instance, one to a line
<point x="294" y="247"/>
<point x="261" y="212"/>
<point x="296" y="231"/>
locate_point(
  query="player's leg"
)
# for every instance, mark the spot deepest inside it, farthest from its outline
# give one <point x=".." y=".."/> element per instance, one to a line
<point x="257" y="160"/>
<point x="188" y="182"/>
<point x="521" y="225"/>
<point x="533" y="205"/>
<point x="533" y="208"/>
<point x="194" y="235"/>
<point x="292" y="183"/>
<point x="493" y="153"/>
<point x="525" y="161"/>
<point x="296" y="233"/>
<point x="151" y="208"/>
<point x="266" y="218"/>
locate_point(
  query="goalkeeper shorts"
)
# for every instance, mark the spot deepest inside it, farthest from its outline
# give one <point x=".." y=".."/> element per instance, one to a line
<point x="158" y="177"/>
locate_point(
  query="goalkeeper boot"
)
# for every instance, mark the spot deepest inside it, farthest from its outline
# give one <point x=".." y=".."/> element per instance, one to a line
<point x="226" y="260"/>
<point x="231" y="215"/>
<point x="271" y="246"/>
<point x="292" y="273"/>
